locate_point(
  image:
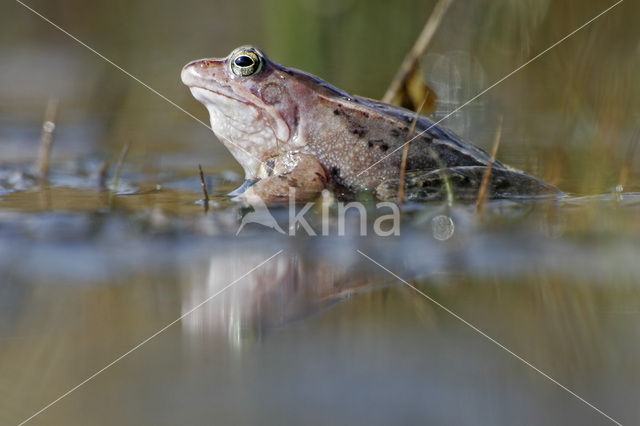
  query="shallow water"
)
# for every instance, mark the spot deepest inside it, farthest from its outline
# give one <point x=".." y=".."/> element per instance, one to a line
<point x="462" y="318"/>
<point x="319" y="333"/>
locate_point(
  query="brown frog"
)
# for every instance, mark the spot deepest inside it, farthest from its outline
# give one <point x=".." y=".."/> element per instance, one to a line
<point x="289" y="129"/>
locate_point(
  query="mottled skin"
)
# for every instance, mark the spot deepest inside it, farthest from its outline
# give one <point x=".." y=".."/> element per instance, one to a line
<point x="278" y="116"/>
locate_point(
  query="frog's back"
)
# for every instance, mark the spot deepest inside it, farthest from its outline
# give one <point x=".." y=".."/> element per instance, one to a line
<point x="367" y="139"/>
<point x="428" y="130"/>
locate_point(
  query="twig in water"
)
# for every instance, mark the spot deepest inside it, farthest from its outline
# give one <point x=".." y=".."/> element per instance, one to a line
<point x="116" y="174"/>
<point x="411" y="60"/>
<point x="46" y="139"/>
<point x="482" y="192"/>
<point x="203" y="184"/>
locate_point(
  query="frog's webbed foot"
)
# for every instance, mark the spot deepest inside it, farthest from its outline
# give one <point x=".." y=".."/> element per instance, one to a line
<point x="290" y="176"/>
<point x="464" y="184"/>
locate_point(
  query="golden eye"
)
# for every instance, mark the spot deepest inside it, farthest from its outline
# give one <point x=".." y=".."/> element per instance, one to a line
<point x="245" y="63"/>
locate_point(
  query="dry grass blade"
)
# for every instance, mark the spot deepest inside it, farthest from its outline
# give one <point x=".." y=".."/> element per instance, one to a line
<point x="46" y="140"/>
<point x="203" y="184"/>
<point x="482" y="192"/>
<point x="116" y="174"/>
<point x="411" y="60"/>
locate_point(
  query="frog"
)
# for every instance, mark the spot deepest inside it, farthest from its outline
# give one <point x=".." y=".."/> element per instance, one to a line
<point x="295" y="135"/>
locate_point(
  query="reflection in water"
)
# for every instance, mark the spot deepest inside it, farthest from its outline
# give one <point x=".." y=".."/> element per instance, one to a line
<point x="313" y="274"/>
<point x="570" y="308"/>
<point x="291" y="286"/>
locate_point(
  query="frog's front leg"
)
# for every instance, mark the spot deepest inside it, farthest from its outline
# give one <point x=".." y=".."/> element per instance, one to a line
<point x="293" y="175"/>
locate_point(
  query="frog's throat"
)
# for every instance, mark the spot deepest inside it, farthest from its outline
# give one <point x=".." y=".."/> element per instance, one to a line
<point x="232" y="104"/>
<point x="239" y="126"/>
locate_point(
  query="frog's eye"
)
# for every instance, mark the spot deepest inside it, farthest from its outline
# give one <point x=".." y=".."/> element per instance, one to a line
<point x="245" y="63"/>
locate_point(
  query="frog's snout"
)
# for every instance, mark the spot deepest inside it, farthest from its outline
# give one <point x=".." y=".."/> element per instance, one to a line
<point x="195" y="72"/>
<point x="188" y="75"/>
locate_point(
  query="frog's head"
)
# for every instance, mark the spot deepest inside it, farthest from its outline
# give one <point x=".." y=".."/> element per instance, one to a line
<point x="253" y="109"/>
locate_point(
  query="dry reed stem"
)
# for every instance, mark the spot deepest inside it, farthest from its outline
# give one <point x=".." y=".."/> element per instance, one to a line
<point x="411" y="60"/>
<point x="482" y="192"/>
<point x="46" y="139"/>
<point x="203" y="184"/>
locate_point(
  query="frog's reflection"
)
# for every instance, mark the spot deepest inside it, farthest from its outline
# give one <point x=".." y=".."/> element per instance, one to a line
<point x="314" y="273"/>
<point x="310" y="275"/>
<point x="290" y="286"/>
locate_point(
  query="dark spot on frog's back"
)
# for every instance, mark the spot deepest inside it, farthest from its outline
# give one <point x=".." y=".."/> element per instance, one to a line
<point x="379" y="143"/>
<point x="355" y="126"/>
<point x="336" y="112"/>
<point x="394" y="133"/>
